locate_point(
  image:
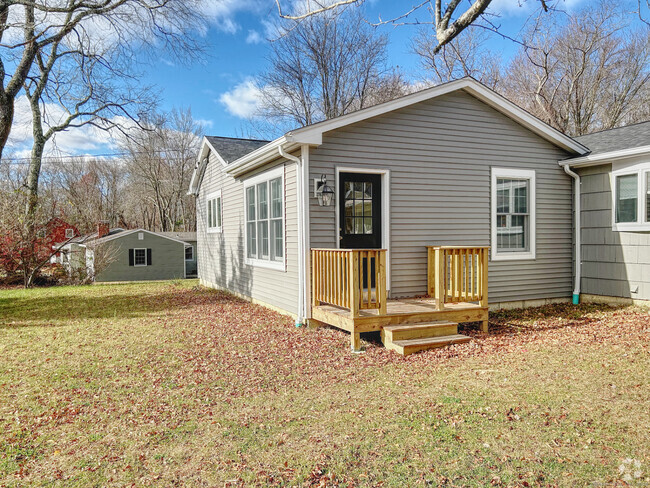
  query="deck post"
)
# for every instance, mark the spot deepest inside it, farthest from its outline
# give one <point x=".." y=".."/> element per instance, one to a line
<point x="484" y="286"/>
<point x="440" y="281"/>
<point x="315" y="269"/>
<point x="382" y="295"/>
<point x="355" y="341"/>
<point x="354" y="284"/>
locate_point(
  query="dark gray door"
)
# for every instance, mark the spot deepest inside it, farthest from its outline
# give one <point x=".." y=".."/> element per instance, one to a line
<point x="360" y="210"/>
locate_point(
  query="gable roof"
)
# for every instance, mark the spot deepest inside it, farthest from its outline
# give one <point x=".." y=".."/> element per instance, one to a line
<point x="630" y="136"/>
<point x="133" y="231"/>
<point x="232" y="148"/>
<point x="313" y="134"/>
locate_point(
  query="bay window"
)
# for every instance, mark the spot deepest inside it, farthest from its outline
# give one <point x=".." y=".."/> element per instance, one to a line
<point x="264" y="211"/>
<point x="513" y="214"/>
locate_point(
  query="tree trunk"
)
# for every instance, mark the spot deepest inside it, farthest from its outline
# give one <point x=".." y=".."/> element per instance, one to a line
<point x="6" y="118"/>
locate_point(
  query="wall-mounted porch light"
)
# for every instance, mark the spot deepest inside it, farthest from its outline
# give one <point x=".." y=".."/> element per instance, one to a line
<point x="324" y="193"/>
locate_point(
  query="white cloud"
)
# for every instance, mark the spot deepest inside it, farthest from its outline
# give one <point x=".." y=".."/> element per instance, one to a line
<point x="222" y="13"/>
<point x="253" y="37"/>
<point x="73" y="141"/>
<point x="243" y="100"/>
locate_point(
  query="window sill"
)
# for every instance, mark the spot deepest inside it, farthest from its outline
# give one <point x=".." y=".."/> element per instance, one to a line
<point x="631" y="227"/>
<point x="259" y="263"/>
<point x="513" y="256"/>
<point x="214" y="230"/>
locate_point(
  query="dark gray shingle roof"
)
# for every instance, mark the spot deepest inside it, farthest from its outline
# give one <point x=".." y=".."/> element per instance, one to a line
<point x="627" y="137"/>
<point x="231" y="148"/>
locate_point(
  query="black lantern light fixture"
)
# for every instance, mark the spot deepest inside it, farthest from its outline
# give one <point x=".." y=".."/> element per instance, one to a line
<point x="324" y="193"/>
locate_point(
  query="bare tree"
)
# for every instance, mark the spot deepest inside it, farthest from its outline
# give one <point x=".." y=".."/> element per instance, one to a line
<point x="325" y="66"/>
<point x="160" y="162"/>
<point x="464" y="56"/>
<point x="447" y="18"/>
<point x="586" y="74"/>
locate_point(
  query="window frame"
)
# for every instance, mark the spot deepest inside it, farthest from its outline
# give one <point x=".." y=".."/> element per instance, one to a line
<point x="267" y="177"/>
<point x="191" y="248"/>
<point x="215" y="195"/>
<point x="69" y="235"/>
<point x="519" y="174"/>
<point x="135" y="251"/>
<point x="642" y="172"/>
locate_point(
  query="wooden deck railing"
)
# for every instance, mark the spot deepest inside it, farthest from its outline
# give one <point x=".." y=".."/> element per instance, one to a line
<point x="349" y="278"/>
<point x="458" y="274"/>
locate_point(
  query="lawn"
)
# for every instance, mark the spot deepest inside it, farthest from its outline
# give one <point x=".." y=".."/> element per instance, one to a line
<point x="168" y="384"/>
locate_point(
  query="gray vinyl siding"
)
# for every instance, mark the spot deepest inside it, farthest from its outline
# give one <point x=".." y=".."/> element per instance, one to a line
<point x="221" y="256"/>
<point x="167" y="259"/>
<point x="613" y="262"/>
<point x="440" y="153"/>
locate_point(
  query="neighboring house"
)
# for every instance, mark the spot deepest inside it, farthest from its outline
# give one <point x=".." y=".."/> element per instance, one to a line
<point x="188" y="238"/>
<point x="341" y="221"/>
<point x="128" y="255"/>
<point x="58" y="230"/>
<point x="615" y="213"/>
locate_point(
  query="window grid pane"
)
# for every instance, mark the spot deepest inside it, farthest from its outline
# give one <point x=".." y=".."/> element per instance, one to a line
<point x="218" y="212"/>
<point x="140" y="257"/>
<point x="626" y="198"/>
<point x="647" y="196"/>
<point x="512" y="214"/>
<point x="264" y="216"/>
<point x="209" y="213"/>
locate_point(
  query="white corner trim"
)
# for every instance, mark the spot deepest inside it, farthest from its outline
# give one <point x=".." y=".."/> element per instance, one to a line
<point x="385" y="210"/>
<point x="495" y="255"/>
<point x="259" y="178"/>
<point x="211" y="196"/>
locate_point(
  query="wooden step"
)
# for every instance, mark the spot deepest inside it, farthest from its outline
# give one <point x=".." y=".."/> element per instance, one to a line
<point x="410" y="346"/>
<point x="419" y="330"/>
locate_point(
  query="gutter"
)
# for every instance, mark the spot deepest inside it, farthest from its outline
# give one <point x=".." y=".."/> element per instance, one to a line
<point x="578" y="244"/>
<point x="300" y="319"/>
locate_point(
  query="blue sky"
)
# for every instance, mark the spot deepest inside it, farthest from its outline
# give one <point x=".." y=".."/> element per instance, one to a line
<point x="219" y="88"/>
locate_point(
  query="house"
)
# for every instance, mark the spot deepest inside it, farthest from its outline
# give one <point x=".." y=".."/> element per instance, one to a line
<point x="345" y="221"/>
<point x="188" y="238"/>
<point x="613" y="198"/>
<point x="128" y="255"/>
<point x="58" y="230"/>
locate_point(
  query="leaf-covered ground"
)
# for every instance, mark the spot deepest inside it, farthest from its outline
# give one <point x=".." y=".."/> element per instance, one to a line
<point x="167" y="384"/>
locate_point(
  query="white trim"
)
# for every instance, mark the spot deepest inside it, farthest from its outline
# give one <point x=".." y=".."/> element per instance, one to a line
<point x="145" y="257"/>
<point x="385" y="210"/>
<point x="603" y="158"/>
<point x="495" y="255"/>
<point x="306" y="232"/>
<point x="213" y="196"/>
<point x="259" y="178"/>
<point x="185" y="252"/>
<point x="640" y="169"/>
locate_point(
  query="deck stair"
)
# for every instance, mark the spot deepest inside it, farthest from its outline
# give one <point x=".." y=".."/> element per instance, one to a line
<point x="407" y="339"/>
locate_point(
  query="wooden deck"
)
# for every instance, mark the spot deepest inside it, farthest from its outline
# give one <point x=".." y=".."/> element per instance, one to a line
<point x="349" y="292"/>
<point x="399" y="311"/>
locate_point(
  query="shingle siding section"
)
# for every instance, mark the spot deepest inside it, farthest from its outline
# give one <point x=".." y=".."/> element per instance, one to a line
<point x="221" y="258"/>
<point x="613" y="263"/>
<point x="440" y="154"/>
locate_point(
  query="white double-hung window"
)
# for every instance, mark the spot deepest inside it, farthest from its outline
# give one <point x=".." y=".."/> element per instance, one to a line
<point x="264" y="211"/>
<point x="631" y="196"/>
<point x="513" y="214"/>
<point x="214" y="217"/>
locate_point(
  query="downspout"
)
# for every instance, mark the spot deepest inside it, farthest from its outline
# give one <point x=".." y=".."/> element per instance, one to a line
<point x="576" y="179"/>
<point x="301" y="251"/>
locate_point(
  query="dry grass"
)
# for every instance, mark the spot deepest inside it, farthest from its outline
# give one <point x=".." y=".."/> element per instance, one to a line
<point x="163" y="384"/>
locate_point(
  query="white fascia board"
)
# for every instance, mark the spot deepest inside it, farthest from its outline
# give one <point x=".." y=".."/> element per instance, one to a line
<point x="596" y="159"/>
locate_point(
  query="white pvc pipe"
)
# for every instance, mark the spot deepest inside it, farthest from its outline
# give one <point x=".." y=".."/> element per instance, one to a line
<point x="576" y="179"/>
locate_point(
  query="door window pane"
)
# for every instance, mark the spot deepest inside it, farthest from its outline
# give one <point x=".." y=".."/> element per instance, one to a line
<point x="626" y="198"/>
<point x="358" y="208"/>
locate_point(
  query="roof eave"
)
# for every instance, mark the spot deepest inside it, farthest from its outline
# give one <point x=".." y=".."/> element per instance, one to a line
<point x="260" y="156"/>
<point x="601" y="158"/>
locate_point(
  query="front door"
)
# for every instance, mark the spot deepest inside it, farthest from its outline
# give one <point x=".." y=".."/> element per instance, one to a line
<point x="360" y="217"/>
<point x="360" y="211"/>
